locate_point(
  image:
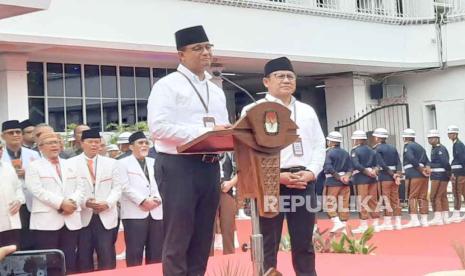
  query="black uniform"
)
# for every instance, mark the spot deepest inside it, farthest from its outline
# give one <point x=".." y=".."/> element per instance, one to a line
<point x="440" y="171"/>
<point x="458" y="170"/>
<point x="417" y="184"/>
<point x="337" y="162"/>
<point x="414" y="159"/>
<point x="363" y="157"/>
<point x="388" y="160"/>
<point x="440" y="167"/>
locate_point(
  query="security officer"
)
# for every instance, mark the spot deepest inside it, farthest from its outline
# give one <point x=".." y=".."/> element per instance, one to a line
<point x="390" y="170"/>
<point x="440" y="172"/>
<point x="458" y="171"/>
<point x="182" y="106"/>
<point x="364" y="180"/>
<point x="338" y="170"/>
<point x="416" y="175"/>
<point x="300" y="164"/>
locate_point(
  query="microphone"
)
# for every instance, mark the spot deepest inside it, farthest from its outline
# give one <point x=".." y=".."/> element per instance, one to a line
<point x="220" y="75"/>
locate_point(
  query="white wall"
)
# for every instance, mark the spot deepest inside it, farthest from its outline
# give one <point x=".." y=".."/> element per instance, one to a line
<point x="13" y="87"/>
<point x="446" y="90"/>
<point x="340" y="101"/>
<point x="148" y="25"/>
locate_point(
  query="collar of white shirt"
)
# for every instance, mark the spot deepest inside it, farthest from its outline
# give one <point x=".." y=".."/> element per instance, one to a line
<point x="193" y="77"/>
<point x="272" y="98"/>
<point x="87" y="158"/>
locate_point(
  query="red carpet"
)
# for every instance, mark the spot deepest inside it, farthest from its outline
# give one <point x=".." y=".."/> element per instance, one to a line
<point x="415" y="251"/>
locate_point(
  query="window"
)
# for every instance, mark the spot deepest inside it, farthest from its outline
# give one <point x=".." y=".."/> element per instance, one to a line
<point x="98" y="95"/>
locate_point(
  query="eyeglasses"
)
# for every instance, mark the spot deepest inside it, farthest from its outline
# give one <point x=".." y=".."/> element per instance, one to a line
<point x="50" y="143"/>
<point x="14" y="132"/>
<point x="142" y="143"/>
<point x="201" y="48"/>
<point x="282" y="77"/>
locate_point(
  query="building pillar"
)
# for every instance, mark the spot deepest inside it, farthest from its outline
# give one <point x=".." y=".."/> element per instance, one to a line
<point x="13" y="87"/>
<point x="345" y="98"/>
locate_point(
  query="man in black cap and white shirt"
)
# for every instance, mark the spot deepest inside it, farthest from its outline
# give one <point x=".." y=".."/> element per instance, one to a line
<point x="141" y="208"/>
<point x="101" y="192"/>
<point x="182" y="106"/>
<point x="20" y="157"/>
<point x="301" y="162"/>
<point x="28" y="134"/>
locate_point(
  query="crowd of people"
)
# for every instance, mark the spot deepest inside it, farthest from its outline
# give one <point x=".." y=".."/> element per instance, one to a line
<point x="74" y="199"/>
<point x="375" y="174"/>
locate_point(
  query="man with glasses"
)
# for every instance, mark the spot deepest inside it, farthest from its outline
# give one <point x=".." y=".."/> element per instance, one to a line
<point x="20" y="158"/>
<point x="141" y="208"/>
<point x="182" y="106"/>
<point x="57" y="194"/>
<point x="39" y="130"/>
<point x="11" y="199"/>
<point x="99" y="214"/>
<point x="300" y="163"/>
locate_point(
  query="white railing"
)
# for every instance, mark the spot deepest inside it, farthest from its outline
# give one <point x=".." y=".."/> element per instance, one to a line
<point x="453" y="10"/>
<point x="381" y="11"/>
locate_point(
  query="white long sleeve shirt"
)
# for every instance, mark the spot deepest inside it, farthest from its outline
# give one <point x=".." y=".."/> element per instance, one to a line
<point x="313" y="140"/>
<point x="175" y="112"/>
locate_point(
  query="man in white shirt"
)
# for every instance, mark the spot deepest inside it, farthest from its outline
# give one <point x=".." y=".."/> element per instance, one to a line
<point x="19" y="157"/>
<point x="182" y="106"/>
<point x="99" y="214"/>
<point x="141" y="208"/>
<point x="11" y="199"/>
<point x="301" y="162"/>
<point x="57" y="194"/>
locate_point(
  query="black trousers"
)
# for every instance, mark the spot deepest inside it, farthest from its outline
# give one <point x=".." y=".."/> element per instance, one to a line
<point x="96" y="238"/>
<point x="143" y="233"/>
<point x="300" y="223"/>
<point x="10" y="237"/>
<point x="27" y="236"/>
<point x="64" y="240"/>
<point x="190" y="191"/>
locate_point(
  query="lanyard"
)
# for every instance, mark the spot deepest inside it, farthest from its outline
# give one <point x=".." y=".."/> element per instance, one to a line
<point x="205" y="105"/>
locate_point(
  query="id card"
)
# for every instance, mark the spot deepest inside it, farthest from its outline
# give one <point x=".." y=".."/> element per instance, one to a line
<point x="297" y="147"/>
<point x="209" y="122"/>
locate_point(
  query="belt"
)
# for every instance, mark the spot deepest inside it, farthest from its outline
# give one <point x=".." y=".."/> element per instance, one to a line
<point x="339" y="173"/>
<point x="456" y="167"/>
<point x="294" y="169"/>
<point x="392" y="168"/>
<point x="210" y="158"/>
<point x="206" y="158"/>
<point x="438" y="170"/>
<point x="409" y="166"/>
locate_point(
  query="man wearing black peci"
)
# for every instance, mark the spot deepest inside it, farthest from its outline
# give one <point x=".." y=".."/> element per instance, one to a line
<point x="182" y="106"/>
<point x="300" y="163"/>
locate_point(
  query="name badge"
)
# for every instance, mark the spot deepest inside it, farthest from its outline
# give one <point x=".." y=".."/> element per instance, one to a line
<point x="297" y="147"/>
<point x="209" y="122"/>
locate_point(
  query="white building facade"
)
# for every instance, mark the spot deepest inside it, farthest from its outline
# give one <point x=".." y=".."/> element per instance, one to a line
<point x="85" y="61"/>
